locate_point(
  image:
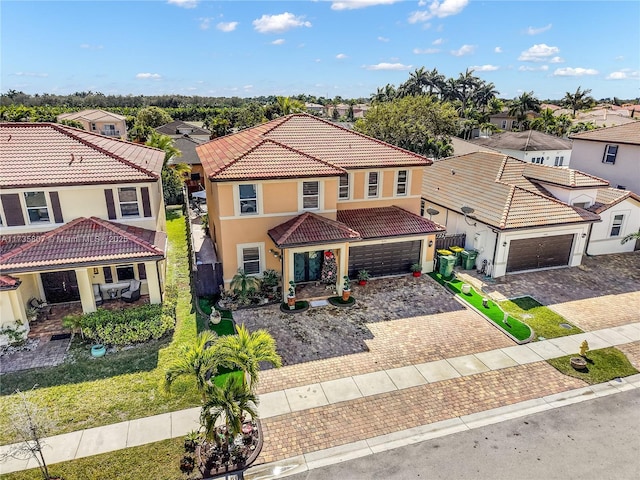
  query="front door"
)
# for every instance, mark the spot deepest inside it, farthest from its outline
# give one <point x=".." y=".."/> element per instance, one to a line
<point x="60" y="287"/>
<point x="307" y="266"/>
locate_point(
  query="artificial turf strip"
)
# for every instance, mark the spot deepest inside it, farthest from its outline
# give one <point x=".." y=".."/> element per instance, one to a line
<point x="544" y="321"/>
<point x="225" y="327"/>
<point x="603" y="365"/>
<point x="493" y="312"/>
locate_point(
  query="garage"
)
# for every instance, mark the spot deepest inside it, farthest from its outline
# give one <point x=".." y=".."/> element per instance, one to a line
<point x="384" y="259"/>
<point x="540" y="252"/>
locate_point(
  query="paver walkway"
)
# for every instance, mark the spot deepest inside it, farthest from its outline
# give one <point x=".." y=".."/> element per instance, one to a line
<point x="322" y="416"/>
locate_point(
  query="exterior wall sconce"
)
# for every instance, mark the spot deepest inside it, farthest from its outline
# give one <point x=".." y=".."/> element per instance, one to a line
<point x="584" y="235"/>
<point x="430" y="243"/>
<point x="275" y="253"/>
<point x="504" y="244"/>
<point x="95" y="271"/>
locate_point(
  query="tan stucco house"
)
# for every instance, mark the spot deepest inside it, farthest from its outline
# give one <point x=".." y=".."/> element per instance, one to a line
<point x="81" y="215"/>
<point x="99" y="121"/>
<point x="282" y="194"/>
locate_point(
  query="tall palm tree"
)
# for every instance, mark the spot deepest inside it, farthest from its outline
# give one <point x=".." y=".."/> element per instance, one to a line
<point x="165" y="142"/>
<point x="246" y="350"/>
<point x="578" y="100"/>
<point x="546" y="122"/>
<point x="523" y="104"/>
<point x="434" y="81"/>
<point x="200" y="360"/>
<point x="288" y="105"/>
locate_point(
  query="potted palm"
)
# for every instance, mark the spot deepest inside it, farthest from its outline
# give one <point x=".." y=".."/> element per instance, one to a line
<point x="363" y="276"/>
<point x="291" y="296"/>
<point x="416" y="269"/>
<point x="346" y="289"/>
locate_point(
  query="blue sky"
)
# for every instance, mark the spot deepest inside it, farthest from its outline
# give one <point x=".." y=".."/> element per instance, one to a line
<point x="322" y="48"/>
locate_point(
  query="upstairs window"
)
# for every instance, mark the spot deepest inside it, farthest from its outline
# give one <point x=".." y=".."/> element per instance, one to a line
<point x="539" y="160"/>
<point x="248" y="194"/>
<point x="310" y="195"/>
<point x="401" y="184"/>
<point x="558" y="161"/>
<point x="343" y="188"/>
<point x="616" y="225"/>
<point x="372" y="182"/>
<point x="37" y="209"/>
<point x="128" y="198"/>
<point x="610" y="152"/>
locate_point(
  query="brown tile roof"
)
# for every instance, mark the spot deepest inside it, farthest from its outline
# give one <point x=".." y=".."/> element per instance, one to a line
<point x="527" y="141"/>
<point x="8" y="283"/>
<point x="609" y="197"/>
<point x="83" y="241"/>
<point x="384" y="222"/>
<point x="494" y="186"/>
<point x="565" y="177"/>
<point x="628" y="133"/>
<point x="310" y="228"/>
<point x="310" y="137"/>
<point x="42" y="154"/>
<point x="92" y="115"/>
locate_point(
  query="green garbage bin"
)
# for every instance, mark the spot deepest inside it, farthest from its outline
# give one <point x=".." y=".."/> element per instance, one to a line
<point x="447" y="263"/>
<point x="439" y="254"/>
<point x="469" y="259"/>
<point x="457" y="251"/>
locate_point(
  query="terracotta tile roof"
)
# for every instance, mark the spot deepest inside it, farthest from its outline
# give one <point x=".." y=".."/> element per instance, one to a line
<point x="8" y="283"/>
<point x="308" y="136"/>
<point x="383" y="222"/>
<point x="527" y="141"/>
<point x="627" y="133"/>
<point x="83" y="241"/>
<point x="92" y="115"/>
<point x="566" y="177"/>
<point x="494" y="186"/>
<point x="40" y="154"/>
<point x="310" y="228"/>
<point x="609" y="197"/>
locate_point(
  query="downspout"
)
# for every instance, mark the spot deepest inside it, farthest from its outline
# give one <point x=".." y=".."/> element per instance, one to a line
<point x="495" y="251"/>
<point x="586" y="243"/>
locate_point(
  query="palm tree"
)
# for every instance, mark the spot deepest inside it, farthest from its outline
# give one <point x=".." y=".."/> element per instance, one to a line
<point x="163" y="142"/>
<point x="546" y="122"/>
<point x="577" y="101"/>
<point x="229" y="403"/>
<point x="631" y="236"/>
<point x="246" y="350"/>
<point x="523" y="104"/>
<point x="200" y="360"/>
<point x="287" y="105"/>
<point x="242" y="283"/>
<point x="434" y="81"/>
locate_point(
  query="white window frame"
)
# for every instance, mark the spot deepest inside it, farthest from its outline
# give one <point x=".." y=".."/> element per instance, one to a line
<point x="347" y="186"/>
<point x="378" y="183"/>
<point x="241" y="247"/>
<point x="617" y="224"/>
<point x="406" y="183"/>
<point x="608" y="155"/>
<point x="46" y="205"/>
<point x="120" y="202"/>
<point x="559" y="161"/>
<point x="240" y="200"/>
<point x="538" y="160"/>
<point x="317" y="196"/>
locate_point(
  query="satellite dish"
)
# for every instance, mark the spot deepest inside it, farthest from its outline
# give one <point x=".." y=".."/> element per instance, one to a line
<point x="432" y="211"/>
<point x="467" y="210"/>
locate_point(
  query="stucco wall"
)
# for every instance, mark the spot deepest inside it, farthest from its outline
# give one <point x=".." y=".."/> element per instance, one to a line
<point x="587" y="157"/>
<point x="601" y="242"/>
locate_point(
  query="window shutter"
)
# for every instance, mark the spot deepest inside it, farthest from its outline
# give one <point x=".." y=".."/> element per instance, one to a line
<point x="12" y="209"/>
<point x="55" y="204"/>
<point x="146" y="204"/>
<point x="111" y="207"/>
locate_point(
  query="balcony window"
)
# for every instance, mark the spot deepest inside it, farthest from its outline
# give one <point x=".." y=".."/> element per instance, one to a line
<point x="248" y="199"/>
<point x="401" y="184"/>
<point x="37" y="209"/>
<point x="128" y="198"/>
<point x="343" y="188"/>
<point x="310" y="195"/>
<point x="372" y="182"/>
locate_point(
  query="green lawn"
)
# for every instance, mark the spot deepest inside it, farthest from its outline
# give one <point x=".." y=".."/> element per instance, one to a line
<point x="602" y="366"/>
<point x="493" y="311"/>
<point x="545" y="322"/>
<point x="119" y="386"/>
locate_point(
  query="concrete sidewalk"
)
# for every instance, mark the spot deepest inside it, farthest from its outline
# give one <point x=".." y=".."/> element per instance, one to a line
<point x="141" y="431"/>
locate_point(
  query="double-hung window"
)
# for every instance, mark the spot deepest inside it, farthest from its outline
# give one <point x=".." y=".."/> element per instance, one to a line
<point x="616" y="225"/>
<point x="128" y="198"/>
<point x="310" y="195"/>
<point x="610" y="152"/>
<point x="343" y="188"/>
<point x="373" y="181"/>
<point x="251" y="260"/>
<point x="248" y="194"/>
<point x="402" y="182"/>
<point x="37" y="209"/>
<point x="558" y="161"/>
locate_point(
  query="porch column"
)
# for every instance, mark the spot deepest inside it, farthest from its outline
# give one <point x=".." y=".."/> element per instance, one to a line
<point x="343" y="267"/>
<point x="17" y="306"/>
<point x="426" y="256"/>
<point x="86" y="290"/>
<point x="153" y="282"/>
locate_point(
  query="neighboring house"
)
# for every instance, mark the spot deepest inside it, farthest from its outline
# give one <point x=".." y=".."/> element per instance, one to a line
<point x="507" y="122"/>
<point x="186" y="137"/>
<point x="315" y="109"/>
<point x="520" y="216"/>
<point x="283" y="193"/>
<point x="80" y="216"/>
<point x="530" y="146"/>
<point x="359" y="110"/>
<point x="619" y="211"/>
<point x="612" y="153"/>
<point x="99" y="121"/>
<point x="461" y="147"/>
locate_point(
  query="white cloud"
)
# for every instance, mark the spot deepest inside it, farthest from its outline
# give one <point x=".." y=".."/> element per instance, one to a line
<point x="205" y="23"/>
<point x="227" y="26"/>
<point x="91" y="47"/>
<point x="184" y="3"/>
<point x="279" y="23"/>
<point x="624" y="74"/>
<point x="279" y="41"/>
<point x="527" y="68"/>
<point x="153" y="76"/>
<point x="538" y="53"/>
<point x="426" y="51"/>
<point x="341" y="56"/>
<point x="463" y="50"/>
<point x="484" y="68"/>
<point x="356" y="4"/>
<point x="438" y="41"/>
<point x="498" y="49"/>
<point x="389" y="66"/>
<point x="438" y="9"/>
<point x="536" y="31"/>
<point x="30" y="74"/>
<point x="557" y="60"/>
<point x="574" y="72"/>
<point x="383" y="39"/>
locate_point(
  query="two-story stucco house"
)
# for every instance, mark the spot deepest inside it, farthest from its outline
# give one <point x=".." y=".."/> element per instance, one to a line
<point x="81" y="215"/>
<point x="530" y="146"/>
<point x="281" y="194"/>
<point x="99" y="121"/>
<point x="611" y="153"/>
